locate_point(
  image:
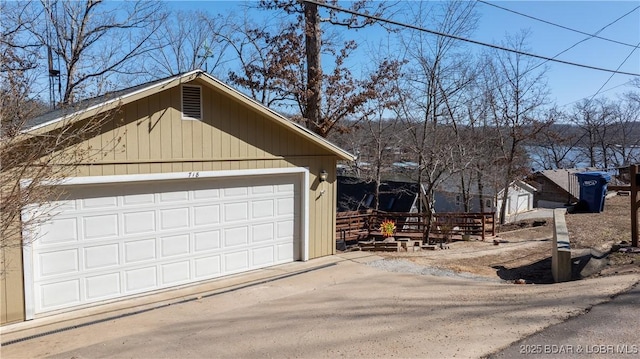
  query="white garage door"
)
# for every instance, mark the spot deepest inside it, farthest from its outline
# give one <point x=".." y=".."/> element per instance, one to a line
<point x="113" y="240"/>
<point x="523" y="203"/>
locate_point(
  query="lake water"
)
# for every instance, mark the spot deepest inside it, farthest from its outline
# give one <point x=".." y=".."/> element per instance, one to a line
<point x="577" y="158"/>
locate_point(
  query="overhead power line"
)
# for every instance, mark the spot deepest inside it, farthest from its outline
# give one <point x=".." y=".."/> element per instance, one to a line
<point x="562" y="26"/>
<point x="476" y="42"/>
<point x="600" y="90"/>
<point x="599" y="31"/>
<point x="590" y="97"/>
<point x="635" y="47"/>
<point x="609" y="79"/>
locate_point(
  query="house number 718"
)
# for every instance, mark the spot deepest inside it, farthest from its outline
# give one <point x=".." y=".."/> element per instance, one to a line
<point x="194" y="174"/>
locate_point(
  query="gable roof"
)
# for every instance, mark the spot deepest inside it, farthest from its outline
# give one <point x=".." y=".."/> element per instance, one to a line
<point x="524" y="185"/>
<point x="92" y="107"/>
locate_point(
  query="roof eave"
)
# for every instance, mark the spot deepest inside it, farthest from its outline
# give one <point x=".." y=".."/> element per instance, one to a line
<point x="175" y="81"/>
<point x="112" y="103"/>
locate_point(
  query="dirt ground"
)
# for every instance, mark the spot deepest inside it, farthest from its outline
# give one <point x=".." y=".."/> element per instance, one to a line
<point x="521" y="251"/>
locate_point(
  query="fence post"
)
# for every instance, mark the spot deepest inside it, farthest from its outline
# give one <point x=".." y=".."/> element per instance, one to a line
<point x="635" y="203"/>
<point x="493" y="224"/>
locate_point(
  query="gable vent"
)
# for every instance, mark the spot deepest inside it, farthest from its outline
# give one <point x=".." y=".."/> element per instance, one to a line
<point x="192" y="102"/>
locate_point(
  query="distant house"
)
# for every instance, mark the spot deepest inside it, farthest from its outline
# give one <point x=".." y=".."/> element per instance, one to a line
<point x="449" y="198"/>
<point x="357" y="194"/>
<point x="520" y="198"/>
<point x="556" y="188"/>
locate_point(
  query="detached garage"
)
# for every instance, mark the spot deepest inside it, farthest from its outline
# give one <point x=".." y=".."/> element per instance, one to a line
<point x="200" y="182"/>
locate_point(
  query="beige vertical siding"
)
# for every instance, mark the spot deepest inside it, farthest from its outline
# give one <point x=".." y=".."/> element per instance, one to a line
<point x="150" y="136"/>
<point x="11" y="284"/>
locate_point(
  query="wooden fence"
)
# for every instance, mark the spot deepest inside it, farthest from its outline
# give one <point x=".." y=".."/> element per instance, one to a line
<point x="364" y="225"/>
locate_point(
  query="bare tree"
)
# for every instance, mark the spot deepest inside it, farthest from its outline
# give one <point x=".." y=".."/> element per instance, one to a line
<point x="32" y="160"/>
<point x="188" y="40"/>
<point x="93" y="41"/>
<point x="376" y="139"/>
<point x="16" y="62"/>
<point x="556" y="146"/>
<point x="430" y="108"/>
<point x="594" y="118"/>
<point x="625" y="149"/>
<point x="516" y="94"/>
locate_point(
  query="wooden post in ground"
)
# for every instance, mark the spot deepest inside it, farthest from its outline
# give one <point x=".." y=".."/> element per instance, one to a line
<point x="635" y="203"/>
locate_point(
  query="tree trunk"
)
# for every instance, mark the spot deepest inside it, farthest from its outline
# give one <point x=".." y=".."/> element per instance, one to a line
<point x="480" y="192"/>
<point x="314" y="70"/>
<point x="503" y="208"/>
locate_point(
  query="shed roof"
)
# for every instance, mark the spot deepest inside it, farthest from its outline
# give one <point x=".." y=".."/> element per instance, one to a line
<point x="560" y="177"/>
<point x="94" y="106"/>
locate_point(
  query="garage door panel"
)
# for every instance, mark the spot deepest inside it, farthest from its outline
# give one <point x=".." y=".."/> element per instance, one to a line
<point x="140" y="250"/>
<point x="236" y="261"/>
<point x="146" y="237"/>
<point x="261" y="190"/>
<point x="139" y="222"/>
<point x="100" y="226"/>
<point x="208" y="267"/>
<point x="236" y="236"/>
<point x="206" y="215"/>
<point x="58" y="262"/>
<point x="141" y="279"/>
<point x="262" y="232"/>
<point x="175" y="273"/>
<point x="103" y="286"/>
<point x="263" y="256"/>
<point x="174" y="245"/>
<point x="102" y="256"/>
<point x="174" y="218"/>
<point x="285" y="206"/>
<point x="231" y="192"/>
<point x="285" y="229"/>
<point x="284" y="252"/>
<point x="238" y="211"/>
<point x="59" y="231"/>
<point x="262" y="209"/>
<point x="59" y="294"/>
<point x="286" y="188"/>
<point x="206" y="194"/>
<point x="523" y="203"/>
<point x="174" y="196"/>
<point x="99" y="202"/>
<point x="138" y="199"/>
<point x="62" y="205"/>
<point x="205" y="241"/>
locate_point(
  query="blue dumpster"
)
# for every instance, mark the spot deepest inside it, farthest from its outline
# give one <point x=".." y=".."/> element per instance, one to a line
<point x="593" y="189"/>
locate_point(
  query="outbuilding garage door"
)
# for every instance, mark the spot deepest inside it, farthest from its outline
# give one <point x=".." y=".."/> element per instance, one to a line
<point x="523" y="203"/>
<point x="114" y="240"/>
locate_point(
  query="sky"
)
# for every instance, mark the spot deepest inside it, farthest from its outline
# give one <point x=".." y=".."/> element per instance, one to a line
<point x="567" y="84"/>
